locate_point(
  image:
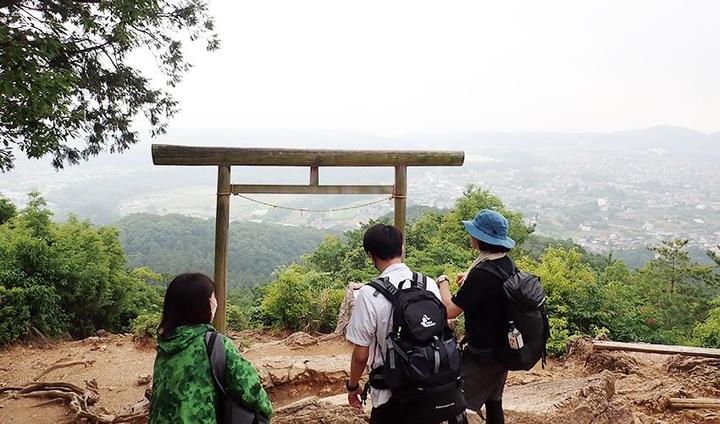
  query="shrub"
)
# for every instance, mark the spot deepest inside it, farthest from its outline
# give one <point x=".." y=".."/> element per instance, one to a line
<point x="237" y="318"/>
<point x="300" y="299"/>
<point x="69" y="276"/>
<point x="146" y="325"/>
<point x="559" y="336"/>
<point x="707" y="333"/>
<point x="24" y="307"/>
<point x="329" y="305"/>
<point x="14" y="314"/>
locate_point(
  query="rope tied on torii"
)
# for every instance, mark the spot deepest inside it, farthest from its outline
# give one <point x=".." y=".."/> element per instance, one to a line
<point x="302" y="210"/>
<point x="226" y="157"/>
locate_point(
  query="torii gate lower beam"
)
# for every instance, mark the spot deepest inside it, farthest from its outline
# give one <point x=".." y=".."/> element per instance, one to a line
<point x="226" y="157"/>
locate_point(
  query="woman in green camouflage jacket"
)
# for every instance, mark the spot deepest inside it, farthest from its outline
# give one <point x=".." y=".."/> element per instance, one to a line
<point x="183" y="387"/>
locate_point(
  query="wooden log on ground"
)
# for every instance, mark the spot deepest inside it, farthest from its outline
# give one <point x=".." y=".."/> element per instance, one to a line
<point x="63" y="365"/>
<point x="164" y="154"/>
<point x="694" y="403"/>
<point x="656" y="348"/>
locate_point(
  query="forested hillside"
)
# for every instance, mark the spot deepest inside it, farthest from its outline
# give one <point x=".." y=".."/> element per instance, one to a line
<point x="74" y="277"/>
<point x="172" y="244"/>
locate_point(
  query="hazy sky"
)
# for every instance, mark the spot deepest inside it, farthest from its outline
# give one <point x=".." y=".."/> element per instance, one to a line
<point x="392" y="67"/>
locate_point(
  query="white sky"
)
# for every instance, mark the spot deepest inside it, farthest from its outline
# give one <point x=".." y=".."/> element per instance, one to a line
<point x="392" y="67"/>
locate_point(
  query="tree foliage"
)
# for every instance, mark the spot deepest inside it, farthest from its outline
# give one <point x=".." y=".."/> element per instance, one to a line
<point x="665" y="301"/>
<point x="65" y="72"/>
<point x="67" y="277"/>
<point x="707" y="333"/>
<point x="7" y="210"/>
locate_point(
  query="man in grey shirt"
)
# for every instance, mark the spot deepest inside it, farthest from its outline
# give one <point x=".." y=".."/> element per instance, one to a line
<point x="371" y="319"/>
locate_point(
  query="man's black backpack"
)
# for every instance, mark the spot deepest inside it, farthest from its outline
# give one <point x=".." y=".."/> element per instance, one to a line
<point x="228" y="409"/>
<point x="525" y="299"/>
<point x="422" y="363"/>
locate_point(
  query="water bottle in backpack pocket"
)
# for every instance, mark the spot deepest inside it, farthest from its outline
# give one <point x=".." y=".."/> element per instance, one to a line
<point x="528" y="329"/>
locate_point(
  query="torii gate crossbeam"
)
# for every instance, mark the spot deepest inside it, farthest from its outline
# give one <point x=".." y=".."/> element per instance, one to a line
<point x="226" y="157"/>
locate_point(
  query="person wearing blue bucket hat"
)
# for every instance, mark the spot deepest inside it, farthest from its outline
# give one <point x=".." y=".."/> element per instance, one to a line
<point x="481" y="299"/>
<point x="490" y="227"/>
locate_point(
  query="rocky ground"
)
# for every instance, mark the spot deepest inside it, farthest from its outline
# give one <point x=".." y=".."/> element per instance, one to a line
<point x="305" y="376"/>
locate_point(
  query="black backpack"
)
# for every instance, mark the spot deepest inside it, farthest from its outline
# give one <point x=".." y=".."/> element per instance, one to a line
<point x="227" y="409"/>
<point x="525" y="310"/>
<point x="422" y="363"/>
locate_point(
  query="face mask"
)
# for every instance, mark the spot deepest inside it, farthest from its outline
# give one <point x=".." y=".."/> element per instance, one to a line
<point x="213" y="307"/>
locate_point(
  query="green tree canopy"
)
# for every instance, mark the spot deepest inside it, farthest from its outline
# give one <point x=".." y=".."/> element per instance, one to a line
<point x="67" y="277"/>
<point x="7" y="210"/>
<point x="65" y="74"/>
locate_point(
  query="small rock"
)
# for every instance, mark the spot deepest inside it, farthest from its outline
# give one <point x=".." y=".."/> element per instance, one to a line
<point x="102" y="333"/>
<point x="143" y="380"/>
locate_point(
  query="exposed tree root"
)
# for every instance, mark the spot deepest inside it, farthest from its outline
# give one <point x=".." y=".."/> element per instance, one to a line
<point x="63" y="365"/>
<point x="79" y="400"/>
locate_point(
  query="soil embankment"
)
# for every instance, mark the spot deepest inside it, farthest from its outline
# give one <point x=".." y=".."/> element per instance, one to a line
<point x="305" y="377"/>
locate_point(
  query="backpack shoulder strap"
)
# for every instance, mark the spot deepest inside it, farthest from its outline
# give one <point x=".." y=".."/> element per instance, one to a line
<point x="216" y="355"/>
<point x="419" y="280"/>
<point x="495" y="270"/>
<point x="514" y="267"/>
<point x="384" y="287"/>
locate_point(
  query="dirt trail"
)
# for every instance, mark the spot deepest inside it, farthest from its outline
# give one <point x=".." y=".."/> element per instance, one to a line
<point x="305" y="376"/>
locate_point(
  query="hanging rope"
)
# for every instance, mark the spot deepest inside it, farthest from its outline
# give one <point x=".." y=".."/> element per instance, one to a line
<point x="345" y="208"/>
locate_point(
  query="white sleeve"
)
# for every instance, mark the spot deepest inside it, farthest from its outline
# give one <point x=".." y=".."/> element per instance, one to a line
<point x="363" y="321"/>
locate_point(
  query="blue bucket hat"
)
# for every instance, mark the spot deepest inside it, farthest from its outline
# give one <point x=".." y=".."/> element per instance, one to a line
<point x="490" y="227"/>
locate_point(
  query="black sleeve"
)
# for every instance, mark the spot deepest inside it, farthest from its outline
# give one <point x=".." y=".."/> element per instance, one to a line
<point x="472" y="290"/>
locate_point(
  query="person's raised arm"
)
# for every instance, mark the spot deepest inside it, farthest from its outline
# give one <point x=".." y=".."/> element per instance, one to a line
<point x="453" y="310"/>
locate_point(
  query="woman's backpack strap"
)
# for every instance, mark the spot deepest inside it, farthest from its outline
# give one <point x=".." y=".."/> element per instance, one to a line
<point x="216" y="355"/>
<point x="495" y="270"/>
<point x="229" y="410"/>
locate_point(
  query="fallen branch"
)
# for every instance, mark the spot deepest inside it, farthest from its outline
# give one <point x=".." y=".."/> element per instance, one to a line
<point x="655" y="348"/>
<point x="698" y="403"/>
<point x="43" y="338"/>
<point x="59" y="365"/>
<point x="78" y="400"/>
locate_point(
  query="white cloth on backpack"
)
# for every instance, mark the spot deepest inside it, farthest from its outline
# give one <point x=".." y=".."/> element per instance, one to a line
<point x="371" y="321"/>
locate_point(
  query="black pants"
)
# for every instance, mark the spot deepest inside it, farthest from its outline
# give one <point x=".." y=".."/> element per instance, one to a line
<point x="390" y="413"/>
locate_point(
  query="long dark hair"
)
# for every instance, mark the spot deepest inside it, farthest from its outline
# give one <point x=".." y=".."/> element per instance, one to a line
<point x="186" y="303"/>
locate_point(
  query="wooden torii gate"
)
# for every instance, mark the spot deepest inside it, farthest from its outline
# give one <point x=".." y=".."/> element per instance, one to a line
<point x="226" y="157"/>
